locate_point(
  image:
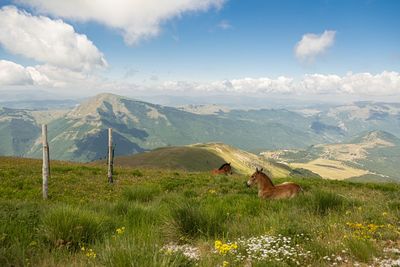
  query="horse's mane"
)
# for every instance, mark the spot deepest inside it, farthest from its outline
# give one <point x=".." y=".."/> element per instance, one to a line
<point x="222" y="166"/>
<point x="266" y="177"/>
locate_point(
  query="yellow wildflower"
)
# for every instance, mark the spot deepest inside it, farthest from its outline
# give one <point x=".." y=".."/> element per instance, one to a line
<point x="222" y="248"/>
<point x="120" y="231"/>
<point x="225" y="263"/>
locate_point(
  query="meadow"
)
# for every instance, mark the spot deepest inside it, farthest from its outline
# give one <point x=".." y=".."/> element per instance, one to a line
<point x="154" y="217"/>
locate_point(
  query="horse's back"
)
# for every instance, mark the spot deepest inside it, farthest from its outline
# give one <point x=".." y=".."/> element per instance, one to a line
<point x="217" y="172"/>
<point x="287" y="190"/>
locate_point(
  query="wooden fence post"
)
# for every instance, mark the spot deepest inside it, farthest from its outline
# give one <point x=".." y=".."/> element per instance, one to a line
<point x="110" y="156"/>
<point x="46" y="162"/>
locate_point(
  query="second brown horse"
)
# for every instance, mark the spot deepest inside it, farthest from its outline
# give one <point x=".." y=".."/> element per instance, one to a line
<point x="267" y="190"/>
<point x="224" y="169"/>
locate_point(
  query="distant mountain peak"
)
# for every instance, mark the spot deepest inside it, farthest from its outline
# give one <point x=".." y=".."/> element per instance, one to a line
<point x="101" y="102"/>
<point x="377" y="137"/>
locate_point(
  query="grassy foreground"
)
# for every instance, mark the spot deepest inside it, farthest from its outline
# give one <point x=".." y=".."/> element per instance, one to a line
<point x="157" y="218"/>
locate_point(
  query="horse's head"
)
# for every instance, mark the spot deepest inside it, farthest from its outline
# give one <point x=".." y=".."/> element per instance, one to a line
<point x="254" y="177"/>
<point x="226" y="168"/>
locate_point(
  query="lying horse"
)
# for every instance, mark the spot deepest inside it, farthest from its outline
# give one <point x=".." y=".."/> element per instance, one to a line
<point x="224" y="169"/>
<point x="266" y="189"/>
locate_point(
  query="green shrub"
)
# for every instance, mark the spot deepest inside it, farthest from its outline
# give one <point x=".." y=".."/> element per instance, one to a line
<point x="69" y="227"/>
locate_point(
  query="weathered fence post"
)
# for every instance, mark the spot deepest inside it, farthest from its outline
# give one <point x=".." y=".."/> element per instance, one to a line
<point x="46" y="168"/>
<point x="110" y="156"/>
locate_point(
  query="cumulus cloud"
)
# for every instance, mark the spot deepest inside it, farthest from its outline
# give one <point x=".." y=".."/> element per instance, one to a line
<point x="361" y="84"/>
<point x="14" y="74"/>
<point x="386" y="83"/>
<point x="47" y="41"/>
<point x="139" y="19"/>
<point x="311" y="45"/>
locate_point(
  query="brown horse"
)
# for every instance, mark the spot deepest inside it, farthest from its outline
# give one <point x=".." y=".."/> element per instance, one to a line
<point x="224" y="169"/>
<point x="266" y="189"/>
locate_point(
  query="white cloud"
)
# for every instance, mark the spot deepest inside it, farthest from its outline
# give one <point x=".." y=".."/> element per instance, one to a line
<point x="14" y="74"/>
<point x="312" y="45"/>
<point x="386" y="83"/>
<point x="281" y="85"/>
<point x="47" y="41"/>
<point x="136" y="19"/>
<point x="361" y="84"/>
<point x="224" y="24"/>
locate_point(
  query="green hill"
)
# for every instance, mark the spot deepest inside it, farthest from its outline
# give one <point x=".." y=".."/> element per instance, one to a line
<point x="201" y="157"/>
<point x="161" y="218"/>
<point x="173" y="158"/>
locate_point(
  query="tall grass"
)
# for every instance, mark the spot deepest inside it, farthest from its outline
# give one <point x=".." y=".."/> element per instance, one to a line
<point x="190" y="220"/>
<point x="362" y="250"/>
<point x="141" y="193"/>
<point x="324" y="202"/>
<point x="70" y="227"/>
<point x="18" y="240"/>
<point x="191" y="208"/>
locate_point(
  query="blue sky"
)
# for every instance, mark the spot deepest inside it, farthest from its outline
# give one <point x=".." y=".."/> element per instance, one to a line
<point x="258" y="40"/>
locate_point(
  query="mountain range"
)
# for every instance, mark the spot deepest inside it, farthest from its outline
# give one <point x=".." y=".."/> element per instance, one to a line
<point x="78" y="132"/>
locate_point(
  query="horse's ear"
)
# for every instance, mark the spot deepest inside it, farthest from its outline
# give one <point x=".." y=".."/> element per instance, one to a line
<point x="261" y="169"/>
<point x="229" y="163"/>
<point x="256" y="169"/>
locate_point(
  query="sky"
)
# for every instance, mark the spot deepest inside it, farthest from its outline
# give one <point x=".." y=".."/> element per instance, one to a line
<point x="340" y="48"/>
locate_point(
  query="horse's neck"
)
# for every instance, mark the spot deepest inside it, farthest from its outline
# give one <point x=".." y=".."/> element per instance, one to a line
<point x="265" y="182"/>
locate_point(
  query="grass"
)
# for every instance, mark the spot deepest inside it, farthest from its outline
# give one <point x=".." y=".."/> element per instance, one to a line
<point x="87" y="222"/>
<point x="73" y="227"/>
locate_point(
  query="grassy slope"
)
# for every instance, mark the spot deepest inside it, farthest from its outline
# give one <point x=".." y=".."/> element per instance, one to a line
<point x="243" y="161"/>
<point x="170" y="158"/>
<point x="158" y="207"/>
<point x="201" y="157"/>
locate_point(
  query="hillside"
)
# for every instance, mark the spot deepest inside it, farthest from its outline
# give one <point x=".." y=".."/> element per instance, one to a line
<point x="18" y="131"/>
<point x="243" y="161"/>
<point x="80" y="133"/>
<point x="201" y="157"/>
<point x="161" y="218"/>
<point x="369" y="156"/>
<point x="342" y="122"/>
<point x="172" y="158"/>
<point x="140" y="126"/>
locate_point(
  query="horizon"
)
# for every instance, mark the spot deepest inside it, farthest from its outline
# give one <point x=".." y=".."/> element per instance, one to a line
<point x="336" y="50"/>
